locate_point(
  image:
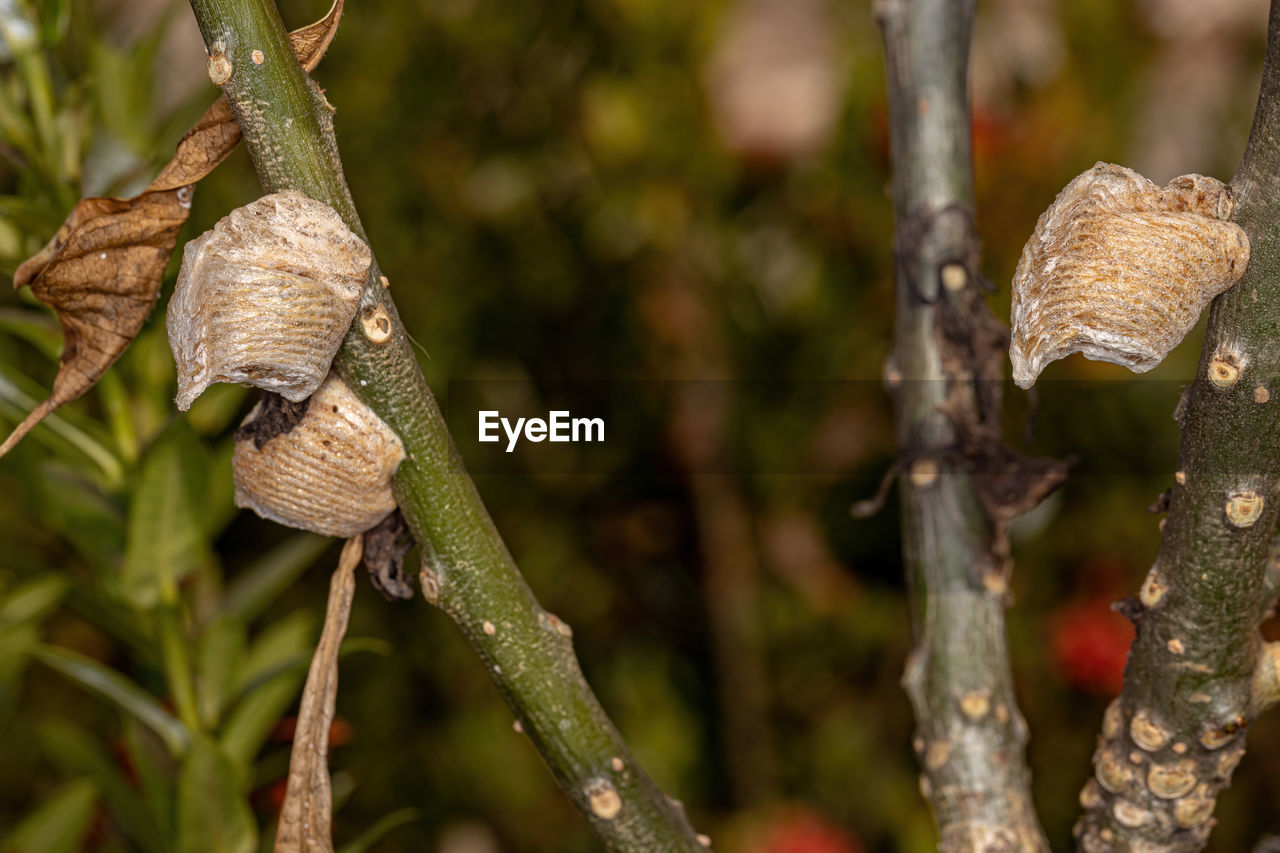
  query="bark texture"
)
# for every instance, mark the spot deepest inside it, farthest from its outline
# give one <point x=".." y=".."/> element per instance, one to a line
<point x="1196" y="674"/>
<point x="961" y="486"/>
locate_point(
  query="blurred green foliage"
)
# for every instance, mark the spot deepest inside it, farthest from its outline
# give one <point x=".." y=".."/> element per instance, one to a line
<point x="546" y="188"/>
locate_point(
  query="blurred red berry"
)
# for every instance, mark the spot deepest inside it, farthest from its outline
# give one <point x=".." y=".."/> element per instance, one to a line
<point x="120" y="752"/>
<point x="271" y="798"/>
<point x="989" y="135"/>
<point x="340" y="731"/>
<point x="283" y="732"/>
<point x="1090" y="645"/>
<point x="802" y="830"/>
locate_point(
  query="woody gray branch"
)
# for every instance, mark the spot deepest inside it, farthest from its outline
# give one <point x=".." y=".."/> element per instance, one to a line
<point x="1198" y="671"/>
<point x="944" y="372"/>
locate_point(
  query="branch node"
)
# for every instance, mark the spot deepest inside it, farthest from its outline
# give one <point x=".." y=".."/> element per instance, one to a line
<point x="554" y="624"/>
<point x="219" y="66"/>
<point x="429" y="582"/>
<point x="603" y="797"/>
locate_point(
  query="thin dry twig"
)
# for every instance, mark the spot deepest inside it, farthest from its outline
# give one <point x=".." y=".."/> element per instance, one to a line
<point x="306" y="816"/>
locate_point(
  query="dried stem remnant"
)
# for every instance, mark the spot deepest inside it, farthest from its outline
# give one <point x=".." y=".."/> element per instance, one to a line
<point x="330" y="474"/>
<point x="266" y="297"/>
<point x="307" y="812"/>
<point x="384" y="550"/>
<point x="1119" y="269"/>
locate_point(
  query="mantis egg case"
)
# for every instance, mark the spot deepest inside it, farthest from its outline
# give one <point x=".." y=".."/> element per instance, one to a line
<point x="265" y="298"/>
<point x="331" y="473"/>
<point x="1119" y="269"/>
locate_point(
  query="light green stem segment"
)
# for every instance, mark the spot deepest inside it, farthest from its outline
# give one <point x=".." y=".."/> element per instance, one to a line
<point x="466" y="568"/>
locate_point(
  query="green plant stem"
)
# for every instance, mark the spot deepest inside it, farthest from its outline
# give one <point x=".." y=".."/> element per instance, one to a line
<point x="115" y="404"/>
<point x="1189" y="682"/>
<point x="466" y="568"/>
<point x="177" y="665"/>
<point x="945" y="373"/>
<point x="173" y="651"/>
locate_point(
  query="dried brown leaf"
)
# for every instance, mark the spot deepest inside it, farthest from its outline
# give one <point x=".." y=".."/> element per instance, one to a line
<point x="306" y="815"/>
<point x="310" y="42"/>
<point x="204" y="146"/>
<point x="102" y="271"/>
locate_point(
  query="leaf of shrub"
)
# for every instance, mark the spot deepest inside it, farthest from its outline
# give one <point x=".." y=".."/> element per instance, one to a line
<point x="118" y="690"/>
<point x="252" y="591"/>
<point x="381" y="829"/>
<point x="222" y="650"/>
<point x="267" y="685"/>
<point x="213" y="816"/>
<point x="155" y="771"/>
<point x="78" y="754"/>
<point x="33" y="599"/>
<point x="166" y="517"/>
<point x="102" y="271"/>
<point x="59" y="825"/>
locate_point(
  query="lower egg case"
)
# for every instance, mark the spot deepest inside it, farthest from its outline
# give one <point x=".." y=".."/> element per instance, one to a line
<point x="331" y="473"/>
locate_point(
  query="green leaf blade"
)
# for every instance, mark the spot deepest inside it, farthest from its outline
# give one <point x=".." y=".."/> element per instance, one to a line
<point x="213" y="815"/>
<point x="59" y="825"/>
<point x="108" y="684"/>
<point x="166" y="519"/>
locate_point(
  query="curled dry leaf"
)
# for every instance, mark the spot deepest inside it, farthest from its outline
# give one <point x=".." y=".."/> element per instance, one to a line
<point x="102" y="271"/>
<point x="306" y="815"/>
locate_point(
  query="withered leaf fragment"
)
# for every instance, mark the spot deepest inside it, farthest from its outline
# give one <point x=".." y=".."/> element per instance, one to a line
<point x="103" y="270"/>
<point x="101" y="274"/>
<point x="306" y="815"/>
<point x="384" y="548"/>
